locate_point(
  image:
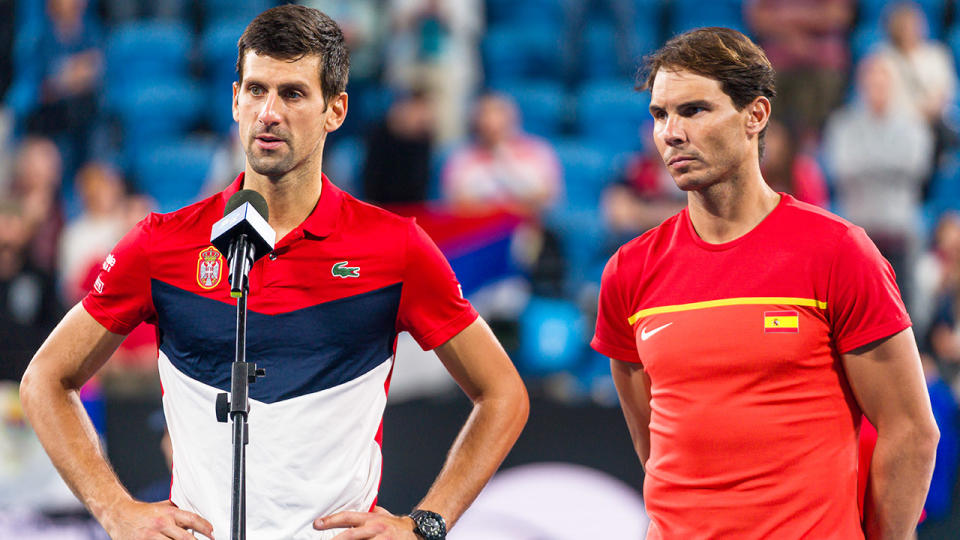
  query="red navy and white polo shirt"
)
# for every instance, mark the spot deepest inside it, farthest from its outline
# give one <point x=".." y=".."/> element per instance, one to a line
<point x="324" y="312"/>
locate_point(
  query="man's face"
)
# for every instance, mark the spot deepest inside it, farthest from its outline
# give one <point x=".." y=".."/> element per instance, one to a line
<point x="282" y="114"/>
<point x="494" y="121"/>
<point x="699" y="133"/>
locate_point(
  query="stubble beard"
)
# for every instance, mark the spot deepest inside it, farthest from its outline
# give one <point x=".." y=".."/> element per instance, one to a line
<point x="270" y="163"/>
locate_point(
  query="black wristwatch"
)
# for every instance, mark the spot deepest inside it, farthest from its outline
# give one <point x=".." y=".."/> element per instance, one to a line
<point x="430" y="525"/>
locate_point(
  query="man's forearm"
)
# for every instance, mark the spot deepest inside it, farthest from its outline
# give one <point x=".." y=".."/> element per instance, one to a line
<point x="484" y="441"/>
<point x="66" y="432"/>
<point x="899" y="479"/>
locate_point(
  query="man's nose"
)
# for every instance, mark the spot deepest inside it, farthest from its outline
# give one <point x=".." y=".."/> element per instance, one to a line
<point x="673" y="132"/>
<point x="269" y="114"/>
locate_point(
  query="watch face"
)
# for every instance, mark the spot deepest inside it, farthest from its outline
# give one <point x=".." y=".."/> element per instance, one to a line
<point x="431" y="526"/>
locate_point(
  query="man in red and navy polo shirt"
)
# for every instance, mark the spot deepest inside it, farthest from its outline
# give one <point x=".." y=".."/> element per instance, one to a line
<point x="325" y="308"/>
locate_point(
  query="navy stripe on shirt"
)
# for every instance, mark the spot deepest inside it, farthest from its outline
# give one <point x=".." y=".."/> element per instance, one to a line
<point x="303" y="351"/>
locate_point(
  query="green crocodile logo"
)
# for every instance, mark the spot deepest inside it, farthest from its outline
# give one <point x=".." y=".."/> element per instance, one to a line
<point x="341" y="270"/>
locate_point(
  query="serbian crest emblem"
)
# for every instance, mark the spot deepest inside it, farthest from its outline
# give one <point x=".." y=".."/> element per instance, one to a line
<point x="209" y="268"/>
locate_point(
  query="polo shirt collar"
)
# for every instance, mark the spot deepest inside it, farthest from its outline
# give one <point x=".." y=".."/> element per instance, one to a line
<point x="322" y="221"/>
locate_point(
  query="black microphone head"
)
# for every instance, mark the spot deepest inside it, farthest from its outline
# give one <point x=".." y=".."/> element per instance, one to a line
<point x="241" y="219"/>
<point x="248" y="195"/>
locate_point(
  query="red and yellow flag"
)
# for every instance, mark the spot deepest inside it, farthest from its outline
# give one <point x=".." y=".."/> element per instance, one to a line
<point x="781" y="321"/>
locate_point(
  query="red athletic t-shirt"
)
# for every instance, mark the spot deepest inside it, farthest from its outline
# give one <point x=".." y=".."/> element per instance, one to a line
<point x="753" y="428"/>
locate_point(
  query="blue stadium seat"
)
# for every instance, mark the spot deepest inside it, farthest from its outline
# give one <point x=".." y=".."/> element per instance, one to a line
<point x="173" y="173"/>
<point x="613" y="113"/>
<point x="944" y="192"/>
<point x="501" y="49"/>
<point x="953" y="41"/>
<point x="142" y="51"/>
<point x="525" y="11"/>
<point x="152" y="111"/>
<point x="512" y="52"/>
<point x="541" y="104"/>
<point x="600" y="51"/>
<point x="552" y="336"/>
<point x="587" y="170"/>
<point x="866" y="39"/>
<point x="216" y="11"/>
<point x="219" y="47"/>
<point x="647" y="28"/>
<point x="684" y="15"/>
<point x="584" y="239"/>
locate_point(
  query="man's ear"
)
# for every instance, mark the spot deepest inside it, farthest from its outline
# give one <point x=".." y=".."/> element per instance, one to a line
<point x="758" y="115"/>
<point x="236" y="106"/>
<point x="336" y="112"/>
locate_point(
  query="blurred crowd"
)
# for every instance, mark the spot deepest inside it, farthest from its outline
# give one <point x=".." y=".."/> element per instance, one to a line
<point x="115" y="108"/>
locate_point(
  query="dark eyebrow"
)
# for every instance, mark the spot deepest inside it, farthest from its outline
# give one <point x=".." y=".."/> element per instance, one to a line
<point x="697" y="103"/>
<point x="655" y="109"/>
<point x="293" y="86"/>
<point x="300" y="87"/>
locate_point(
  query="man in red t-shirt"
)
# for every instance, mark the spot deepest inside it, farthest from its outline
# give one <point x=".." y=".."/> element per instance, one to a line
<point x="749" y="331"/>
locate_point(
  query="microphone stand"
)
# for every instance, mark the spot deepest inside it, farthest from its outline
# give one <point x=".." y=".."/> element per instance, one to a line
<point x="243" y="373"/>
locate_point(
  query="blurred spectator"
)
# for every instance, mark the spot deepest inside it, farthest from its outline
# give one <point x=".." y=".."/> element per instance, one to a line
<point x="923" y="76"/>
<point x="364" y="29"/>
<point x="434" y="45"/>
<point x="644" y="196"/>
<point x="577" y="13"/>
<point x="924" y="79"/>
<point x="28" y="299"/>
<point x="87" y="240"/>
<point x="397" y="166"/>
<point x="878" y="156"/>
<point x="806" y="41"/>
<point x="502" y="167"/>
<point x="68" y="64"/>
<point x="789" y="170"/>
<point x="36" y="185"/>
<point x="945" y="410"/>
<point x="936" y="273"/>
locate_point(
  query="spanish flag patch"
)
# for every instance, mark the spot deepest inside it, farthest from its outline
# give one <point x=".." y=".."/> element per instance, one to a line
<point x="781" y="321"/>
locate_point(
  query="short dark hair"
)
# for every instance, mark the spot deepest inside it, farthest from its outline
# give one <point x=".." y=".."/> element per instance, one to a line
<point x="290" y="32"/>
<point x="727" y="56"/>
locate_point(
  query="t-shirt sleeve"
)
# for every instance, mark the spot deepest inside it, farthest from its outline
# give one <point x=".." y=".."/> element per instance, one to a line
<point x="120" y="298"/>
<point x="863" y="301"/>
<point x="614" y="336"/>
<point x="432" y="306"/>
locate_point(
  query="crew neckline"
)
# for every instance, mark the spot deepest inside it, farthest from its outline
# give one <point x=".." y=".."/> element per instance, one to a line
<point x="765" y="223"/>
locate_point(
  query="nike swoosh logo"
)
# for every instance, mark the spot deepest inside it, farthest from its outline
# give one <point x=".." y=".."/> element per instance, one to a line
<point x="644" y="335"/>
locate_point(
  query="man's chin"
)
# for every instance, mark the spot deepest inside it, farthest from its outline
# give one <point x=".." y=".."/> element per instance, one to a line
<point x="269" y="167"/>
<point x="274" y="169"/>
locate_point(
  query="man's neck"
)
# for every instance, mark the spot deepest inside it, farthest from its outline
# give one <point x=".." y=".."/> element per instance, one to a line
<point x="290" y="199"/>
<point x="731" y="208"/>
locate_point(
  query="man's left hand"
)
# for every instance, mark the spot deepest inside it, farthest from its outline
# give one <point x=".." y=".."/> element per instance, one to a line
<point x="377" y="525"/>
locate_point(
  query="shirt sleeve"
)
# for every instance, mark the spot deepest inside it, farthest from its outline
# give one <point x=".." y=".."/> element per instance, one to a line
<point x="121" y="298"/>
<point x="432" y="306"/>
<point x="863" y="301"/>
<point x="614" y="336"/>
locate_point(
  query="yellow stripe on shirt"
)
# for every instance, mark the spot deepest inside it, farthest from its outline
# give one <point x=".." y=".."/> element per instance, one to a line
<point x="744" y="301"/>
